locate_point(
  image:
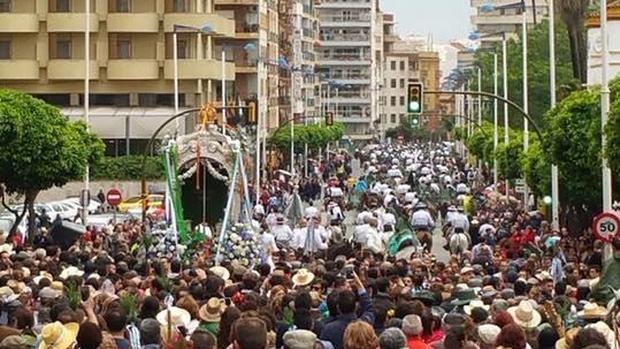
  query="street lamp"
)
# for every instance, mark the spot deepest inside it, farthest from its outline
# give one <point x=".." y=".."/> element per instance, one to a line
<point x="181" y="28"/>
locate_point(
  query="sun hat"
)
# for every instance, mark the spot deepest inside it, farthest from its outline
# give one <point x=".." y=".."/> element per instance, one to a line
<point x="59" y="336"/>
<point x="299" y="339"/>
<point x="212" y="310"/>
<point x="466" y="270"/>
<point x="221" y="272"/>
<point x="42" y="275"/>
<point x="544" y="276"/>
<point x="463" y="296"/>
<point x="592" y="311"/>
<point x="178" y="316"/>
<point x="602" y="328"/>
<point x="8" y="248"/>
<point x="49" y="293"/>
<point x="525" y="315"/>
<point x="567" y="341"/>
<point x="488" y="333"/>
<point x="70" y="271"/>
<point x="475" y="303"/>
<point x="427" y="297"/>
<point x="303" y="277"/>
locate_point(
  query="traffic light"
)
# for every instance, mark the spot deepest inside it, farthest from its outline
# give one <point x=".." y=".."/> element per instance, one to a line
<point x="415" y="98"/>
<point x="414" y="120"/>
<point x="329" y="118"/>
<point x="252" y="120"/>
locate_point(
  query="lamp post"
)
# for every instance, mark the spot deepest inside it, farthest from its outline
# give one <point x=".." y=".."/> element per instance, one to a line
<point x="605" y="95"/>
<point x="526" y="135"/>
<point x="178" y="28"/>
<point x="85" y="197"/>
<point x="555" y="188"/>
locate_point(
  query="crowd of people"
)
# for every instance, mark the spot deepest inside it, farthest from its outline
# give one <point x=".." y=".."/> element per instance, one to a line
<point x="513" y="282"/>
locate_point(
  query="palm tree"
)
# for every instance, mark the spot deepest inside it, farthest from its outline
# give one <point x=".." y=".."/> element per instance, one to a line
<point x="573" y="13"/>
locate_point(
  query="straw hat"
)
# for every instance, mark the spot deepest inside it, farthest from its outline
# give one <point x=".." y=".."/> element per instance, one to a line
<point x="592" y="311"/>
<point x="303" y="277"/>
<point x="212" y="310"/>
<point x="475" y="303"/>
<point x="178" y="316"/>
<point x="604" y="329"/>
<point x="7" y="295"/>
<point x="70" y="271"/>
<point x="221" y="272"/>
<point x="43" y="275"/>
<point x="544" y="276"/>
<point x="525" y="315"/>
<point x="488" y="333"/>
<point x="8" y="248"/>
<point x="59" y="336"/>
<point x="58" y="286"/>
<point x="566" y="341"/>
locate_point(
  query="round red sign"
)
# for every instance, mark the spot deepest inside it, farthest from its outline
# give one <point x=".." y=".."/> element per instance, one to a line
<point x="113" y="197"/>
<point x="606" y="226"/>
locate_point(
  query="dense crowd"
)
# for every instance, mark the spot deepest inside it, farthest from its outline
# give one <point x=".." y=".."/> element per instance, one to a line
<point x="510" y="281"/>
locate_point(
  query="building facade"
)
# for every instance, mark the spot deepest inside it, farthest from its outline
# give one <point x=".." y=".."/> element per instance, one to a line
<point x="594" y="45"/>
<point x="348" y="63"/>
<point x="493" y="18"/>
<point x="42" y="52"/>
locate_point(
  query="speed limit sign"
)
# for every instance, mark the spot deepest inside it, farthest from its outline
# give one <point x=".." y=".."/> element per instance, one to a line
<point x="606" y="226"/>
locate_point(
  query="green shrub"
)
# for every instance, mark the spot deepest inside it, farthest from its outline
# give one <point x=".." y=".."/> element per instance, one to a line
<point x="128" y="168"/>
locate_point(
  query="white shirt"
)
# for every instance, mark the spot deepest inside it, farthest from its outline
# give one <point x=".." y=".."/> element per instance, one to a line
<point x="282" y="233"/>
<point x="360" y="234"/>
<point x="483" y="228"/>
<point x="422" y="218"/>
<point x="461" y="188"/>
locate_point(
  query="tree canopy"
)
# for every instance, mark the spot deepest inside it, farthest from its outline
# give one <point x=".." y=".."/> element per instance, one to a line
<point x="315" y="135"/>
<point x="39" y="147"/>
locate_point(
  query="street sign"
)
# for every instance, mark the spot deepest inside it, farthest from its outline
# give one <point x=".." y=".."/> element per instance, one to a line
<point x="113" y="197"/>
<point x="520" y="186"/>
<point x="606" y="226"/>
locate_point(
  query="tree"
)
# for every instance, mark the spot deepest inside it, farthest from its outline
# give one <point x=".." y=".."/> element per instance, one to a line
<point x="573" y="13"/>
<point x="40" y="149"/>
<point x="408" y="133"/>
<point x="316" y="136"/>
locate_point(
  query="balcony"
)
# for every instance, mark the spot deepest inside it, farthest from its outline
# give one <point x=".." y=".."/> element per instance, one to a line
<point x="345" y="40"/>
<point x="19" y="69"/>
<point x="508" y="19"/>
<point x="71" y="22"/>
<point x="192" y="69"/>
<point x="133" y="23"/>
<point x="246" y="31"/>
<point x="70" y="69"/>
<point x="350" y="99"/>
<point x="19" y="23"/>
<point x="478" y="3"/>
<point x="355" y="119"/>
<point x="245" y="66"/>
<point x="237" y="2"/>
<point x="344" y="60"/>
<point x="220" y="24"/>
<point x="345" y="4"/>
<point x="133" y="69"/>
<point x="345" y="21"/>
<point x="351" y="80"/>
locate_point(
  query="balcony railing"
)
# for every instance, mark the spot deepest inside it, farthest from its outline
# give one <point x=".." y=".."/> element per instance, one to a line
<point x="345" y="37"/>
<point x="343" y="19"/>
<point x="346" y="57"/>
<point x="348" y="76"/>
<point x="308" y="56"/>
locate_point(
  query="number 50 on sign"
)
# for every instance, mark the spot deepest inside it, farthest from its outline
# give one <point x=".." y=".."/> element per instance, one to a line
<point x="606" y="226"/>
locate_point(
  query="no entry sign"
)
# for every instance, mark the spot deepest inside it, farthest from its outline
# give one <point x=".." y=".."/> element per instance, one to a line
<point x="606" y="226"/>
<point x="113" y="197"/>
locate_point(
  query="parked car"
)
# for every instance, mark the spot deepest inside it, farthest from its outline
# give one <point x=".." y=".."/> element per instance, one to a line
<point x="101" y="220"/>
<point x="93" y="205"/>
<point x="134" y="204"/>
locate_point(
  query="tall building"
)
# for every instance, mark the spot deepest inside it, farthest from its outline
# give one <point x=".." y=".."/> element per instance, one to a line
<point x="493" y="18"/>
<point x="42" y="52"/>
<point x="348" y="63"/>
<point x="406" y="62"/>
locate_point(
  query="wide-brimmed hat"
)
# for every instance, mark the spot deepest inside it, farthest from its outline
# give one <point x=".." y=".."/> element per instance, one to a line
<point x="70" y="271"/>
<point x="58" y="286"/>
<point x="7" y="295"/>
<point x="303" y="277"/>
<point x="525" y="315"/>
<point x="178" y="317"/>
<point x="299" y="339"/>
<point x="592" y="311"/>
<point x="221" y="272"/>
<point x="8" y="248"/>
<point x="567" y="341"/>
<point x="475" y="303"/>
<point x="426" y="297"/>
<point x="42" y="275"/>
<point x="544" y="276"/>
<point x="59" y="336"/>
<point x="488" y="291"/>
<point x="604" y="329"/>
<point x="212" y="310"/>
<point x="488" y="333"/>
<point x="467" y="269"/>
<point x="463" y="296"/>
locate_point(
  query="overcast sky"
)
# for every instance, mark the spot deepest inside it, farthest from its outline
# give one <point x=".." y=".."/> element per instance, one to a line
<point x="445" y="19"/>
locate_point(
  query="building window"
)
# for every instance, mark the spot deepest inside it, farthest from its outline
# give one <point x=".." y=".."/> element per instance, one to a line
<point x="393" y="83"/>
<point x="402" y="65"/>
<point x="402" y="118"/>
<point x="402" y="100"/>
<point x="63" y="49"/>
<point x="402" y="83"/>
<point x="5" y="5"/>
<point x="180" y="6"/>
<point x="393" y="118"/>
<point x="182" y="48"/>
<point x="63" y="5"/>
<point x="123" y="48"/>
<point x="5" y="49"/>
<point x="123" y="6"/>
<point x="393" y="101"/>
<point x="393" y="65"/>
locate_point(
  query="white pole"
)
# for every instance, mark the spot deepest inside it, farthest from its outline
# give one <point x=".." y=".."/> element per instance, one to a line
<point x="258" y="107"/>
<point x="329" y="102"/>
<point x="292" y="122"/>
<point x="86" y="100"/>
<point x="223" y="68"/>
<point x="506" y="126"/>
<point x="175" y="57"/>
<point x="605" y="105"/>
<point x="479" y="97"/>
<point x="526" y="132"/>
<point x="555" y="187"/>
<point x="495" y="114"/>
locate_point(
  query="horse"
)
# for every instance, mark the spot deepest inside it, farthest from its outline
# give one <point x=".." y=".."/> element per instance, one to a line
<point x="458" y="243"/>
<point x="426" y="239"/>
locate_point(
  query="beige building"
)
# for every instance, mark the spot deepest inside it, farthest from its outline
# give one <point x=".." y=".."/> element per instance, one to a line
<point x="42" y="52"/>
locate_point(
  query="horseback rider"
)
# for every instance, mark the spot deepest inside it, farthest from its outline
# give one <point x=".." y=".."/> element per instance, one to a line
<point x="421" y="219"/>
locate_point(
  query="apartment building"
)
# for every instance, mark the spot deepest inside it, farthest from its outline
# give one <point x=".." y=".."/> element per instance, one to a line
<point x="493" y="18"/>
<point x="407" y="62"/>
<point x="347" y="63"/>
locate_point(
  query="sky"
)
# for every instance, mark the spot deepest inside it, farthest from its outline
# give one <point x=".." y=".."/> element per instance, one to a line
<point x="445" y="20"/>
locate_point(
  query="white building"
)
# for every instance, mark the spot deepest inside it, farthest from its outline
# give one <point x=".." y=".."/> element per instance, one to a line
<point x="492" y="18"/>
<point x="347" y="65"/>
<point x="594" y="45"/>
